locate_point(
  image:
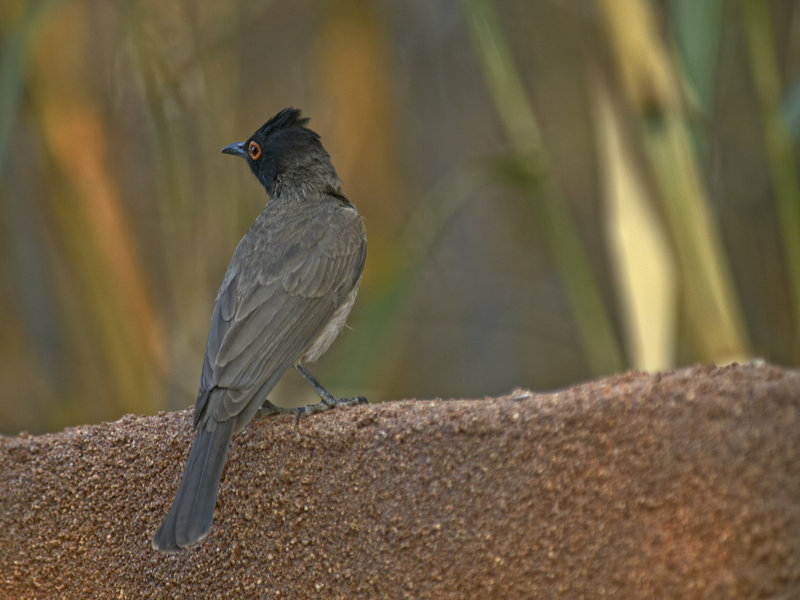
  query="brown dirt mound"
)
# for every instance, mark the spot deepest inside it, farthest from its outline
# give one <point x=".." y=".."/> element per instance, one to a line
<point x="677" y="485"/>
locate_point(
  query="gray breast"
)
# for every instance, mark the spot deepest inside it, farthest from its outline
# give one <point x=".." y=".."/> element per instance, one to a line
<point x="331" y="329"/>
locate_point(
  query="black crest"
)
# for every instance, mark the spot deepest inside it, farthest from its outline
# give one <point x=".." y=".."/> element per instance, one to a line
<point x="288" y="117"/>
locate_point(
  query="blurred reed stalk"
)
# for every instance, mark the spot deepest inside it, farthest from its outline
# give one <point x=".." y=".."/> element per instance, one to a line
<point x="781" y="159"/>
<point x="103" y="294"/>
<point x="516" y="115"/>
<point x="16" y="51"/>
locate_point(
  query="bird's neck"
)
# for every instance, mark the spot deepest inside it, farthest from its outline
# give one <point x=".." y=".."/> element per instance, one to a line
<point x="305" y="182"/>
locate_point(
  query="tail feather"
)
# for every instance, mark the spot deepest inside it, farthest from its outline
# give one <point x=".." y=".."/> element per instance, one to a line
<point x="191" y="514"/>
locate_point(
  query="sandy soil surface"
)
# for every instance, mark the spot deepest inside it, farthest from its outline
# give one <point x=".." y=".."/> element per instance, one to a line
<point x="676" y="485"/>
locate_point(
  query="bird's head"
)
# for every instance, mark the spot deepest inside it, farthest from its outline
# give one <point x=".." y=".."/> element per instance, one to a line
<point x="286" y="157"/>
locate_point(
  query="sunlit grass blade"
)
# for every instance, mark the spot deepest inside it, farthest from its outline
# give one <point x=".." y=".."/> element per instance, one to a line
<point x="714" y="317"/>
<point x="641" y="258"/>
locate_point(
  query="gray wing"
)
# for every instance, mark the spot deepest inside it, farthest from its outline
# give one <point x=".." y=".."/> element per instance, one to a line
<point x="263" y="321"/>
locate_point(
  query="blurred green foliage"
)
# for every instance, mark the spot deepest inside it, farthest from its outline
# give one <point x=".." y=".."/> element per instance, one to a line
<point x="552" y="190"/>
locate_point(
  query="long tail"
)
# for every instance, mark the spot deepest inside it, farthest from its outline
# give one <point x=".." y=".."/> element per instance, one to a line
<point x="191" y="514"/>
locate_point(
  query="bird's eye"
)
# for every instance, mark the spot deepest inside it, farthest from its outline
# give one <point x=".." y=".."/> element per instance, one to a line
<point x="254" y="150"/>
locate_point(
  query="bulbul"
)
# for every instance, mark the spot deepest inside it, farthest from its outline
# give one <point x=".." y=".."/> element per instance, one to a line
<point x="285" y="297"/>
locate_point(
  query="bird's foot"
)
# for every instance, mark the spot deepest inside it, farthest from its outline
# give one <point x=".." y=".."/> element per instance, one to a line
<point x="268" y="409"/>
<point x="328" y="400"/>
<point x="326" y="404"/>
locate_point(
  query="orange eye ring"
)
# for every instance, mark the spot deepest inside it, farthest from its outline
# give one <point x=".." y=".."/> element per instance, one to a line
<point x="254" y="150"/>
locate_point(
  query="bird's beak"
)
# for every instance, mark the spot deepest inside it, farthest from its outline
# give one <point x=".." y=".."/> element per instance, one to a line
<point x="238" y="148"/>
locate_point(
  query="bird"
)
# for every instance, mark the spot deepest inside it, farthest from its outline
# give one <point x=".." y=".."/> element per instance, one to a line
<point x="284" y="299"/>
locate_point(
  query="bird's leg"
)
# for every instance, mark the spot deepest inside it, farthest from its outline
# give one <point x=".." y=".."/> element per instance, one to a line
<point x="328" y="399"/>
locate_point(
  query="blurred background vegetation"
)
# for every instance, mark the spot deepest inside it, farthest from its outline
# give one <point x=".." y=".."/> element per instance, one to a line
<point x="553" y="190"/>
